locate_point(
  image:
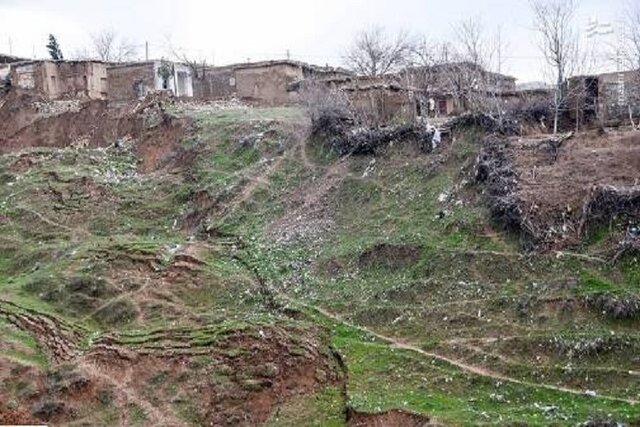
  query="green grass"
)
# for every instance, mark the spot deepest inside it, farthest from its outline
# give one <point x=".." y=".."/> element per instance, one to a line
<point x="324" y="408"/>
<point x="468" y="281"/>
<point x="23" y="348"/>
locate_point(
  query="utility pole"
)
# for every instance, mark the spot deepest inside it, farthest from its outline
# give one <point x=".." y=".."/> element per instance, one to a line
<point x="10" y="46"/>
<point x="146" y="50"/>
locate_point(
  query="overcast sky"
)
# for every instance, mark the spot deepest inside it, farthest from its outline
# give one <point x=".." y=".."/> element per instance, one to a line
<point x="237" y="30"/>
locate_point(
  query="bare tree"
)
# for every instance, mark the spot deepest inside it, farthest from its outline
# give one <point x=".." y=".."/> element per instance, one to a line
<point x="473" y="80"/>
<point x="198" y="65"/>
<point x="630" y="51"/>
<point x="473" y="46"/>
<point x="421" y="72"/>
<point x="107" y="46"/>
<point x="375" y="53"/>
<point x="553" y="20"/>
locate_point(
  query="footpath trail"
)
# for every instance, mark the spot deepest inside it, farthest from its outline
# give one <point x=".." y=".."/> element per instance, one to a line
<point x="395" y="343"/>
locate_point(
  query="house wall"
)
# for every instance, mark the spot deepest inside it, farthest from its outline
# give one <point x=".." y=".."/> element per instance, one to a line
<point x="62" y="79"/>
<point x="215" y="84"/>
<point x="131" y="81"/>
<point x="383" y="105"/>
<point x="136" y="80"/>
<point x="602" y="97"/>
<point x="182" y="82"/>
<point x="614" y="99"/>
<point x="268" y="84"/>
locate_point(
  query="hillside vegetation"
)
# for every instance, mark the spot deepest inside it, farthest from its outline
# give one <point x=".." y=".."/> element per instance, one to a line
<point x="243" y="273"/>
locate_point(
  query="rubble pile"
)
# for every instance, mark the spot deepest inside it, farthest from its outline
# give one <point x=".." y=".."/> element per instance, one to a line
<point x="208" y="106"/>
<point x="55" y="108"/>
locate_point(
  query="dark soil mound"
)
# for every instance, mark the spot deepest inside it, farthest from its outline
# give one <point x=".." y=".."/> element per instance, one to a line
<point x="393" y="418"/>
<point x="390" y="256"/>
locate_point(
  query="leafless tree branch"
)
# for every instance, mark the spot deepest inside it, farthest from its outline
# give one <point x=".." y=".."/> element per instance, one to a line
<point x="554" y="22"/>
<point x="375" y="53"/>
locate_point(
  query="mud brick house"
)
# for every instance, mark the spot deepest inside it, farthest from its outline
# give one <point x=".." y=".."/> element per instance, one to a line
<point x="453" y="85"/>
<point x="608" y="97"/>
<point x="134" y="80"/>
<point x="263" y="83"/>
<point x="383" y="102"/>
<point x="215" y="83"/>
<point x="59" y="79"/>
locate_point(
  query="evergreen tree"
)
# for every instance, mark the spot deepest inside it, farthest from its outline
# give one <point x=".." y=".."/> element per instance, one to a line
<point x="54" y="48"/>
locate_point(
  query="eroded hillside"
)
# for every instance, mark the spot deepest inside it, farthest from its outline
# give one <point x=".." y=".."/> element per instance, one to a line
<point x="214" y="265"/>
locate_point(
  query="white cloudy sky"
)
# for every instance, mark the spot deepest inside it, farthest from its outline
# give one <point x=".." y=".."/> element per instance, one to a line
<point x="312" y="30"/>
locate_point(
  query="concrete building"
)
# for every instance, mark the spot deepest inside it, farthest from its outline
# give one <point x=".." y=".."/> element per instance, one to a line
<point x="59" y="79"/>
<point x="136" y="79"/>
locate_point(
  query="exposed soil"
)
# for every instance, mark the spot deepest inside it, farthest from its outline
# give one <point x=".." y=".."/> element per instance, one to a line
<point x="393" y="418"/>
<point x="390" y="256"/>
<point x="552" y="193"/>
<point x="540" y="191"/>
<point x="94" y="123"/>
<point x="236" y="376"/>
<point x="231" y="386"/>
<point x="16" y="416"/>
<point x="60" y="340"/>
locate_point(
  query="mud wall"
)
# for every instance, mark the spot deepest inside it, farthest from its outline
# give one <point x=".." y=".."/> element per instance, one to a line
<point x="381" y="105"/>
<point x="217" y="83"/>
<point x="57" y="80"/>
<point x="129" y="82"/>
<point x="268" y="85"/>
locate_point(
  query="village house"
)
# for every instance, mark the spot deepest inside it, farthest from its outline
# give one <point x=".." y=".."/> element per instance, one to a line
<point x="263" y="83"/>
<point x="452" y="87"/>
<point x="607" y="97"/>
<point x="58" y="79"/>
<point x="375" y="99"/>
<point x="135" y="80"/>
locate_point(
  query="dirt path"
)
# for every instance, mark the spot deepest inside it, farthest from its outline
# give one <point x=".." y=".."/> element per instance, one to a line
<point x="254" y="183"/>
<point x="302" y="147"/>
<point x="125" y="395"/>
<point x="76" y="232"/>
<point x="395" y="343"/>
<point x="263" y="178"/>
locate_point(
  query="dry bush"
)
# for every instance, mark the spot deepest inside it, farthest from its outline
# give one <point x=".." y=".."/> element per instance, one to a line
<point x="615" y="307"/>
<point x="330" y="111"/>
<point x="335" y="122"/>
<point x="495" y="170"/>
<point x="485" y="122"/>
<point x="606" y="203"/>
<point x="582" y="348"/>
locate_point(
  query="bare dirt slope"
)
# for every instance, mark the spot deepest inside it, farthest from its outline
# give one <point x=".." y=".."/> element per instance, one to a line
<point x="553" y="192"/>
